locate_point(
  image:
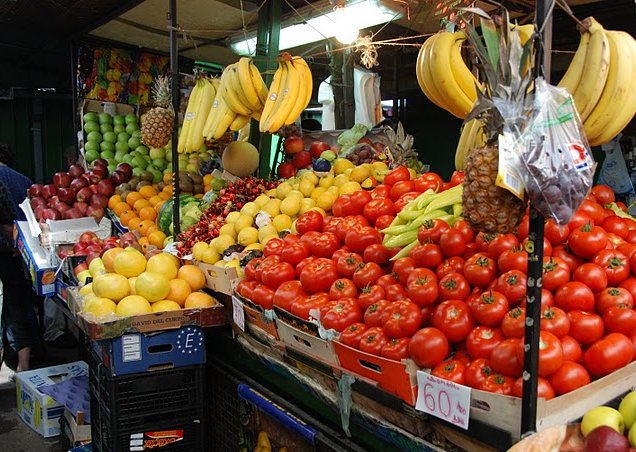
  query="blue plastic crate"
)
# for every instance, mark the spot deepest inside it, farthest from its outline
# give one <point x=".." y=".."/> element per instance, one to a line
<point x="138" y="353"/>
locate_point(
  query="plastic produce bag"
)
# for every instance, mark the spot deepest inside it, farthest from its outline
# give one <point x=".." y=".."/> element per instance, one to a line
<point x="614" y="172"/>
<point x="557" y="167"/>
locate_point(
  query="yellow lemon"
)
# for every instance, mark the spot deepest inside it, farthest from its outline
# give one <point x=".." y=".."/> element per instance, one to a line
<point x="311" y="176"/>
<point x="130" y="263"/>
<point x="199" y="248"/>
<point x="340" y="179"/>
<point x="282" y="221"/>
<point x="291" y="205"/>
<point x="243" y="222"/>
<point x="232" y="217"/>
<point x="228" y="229"/>
<point x="272" y="207"/>
<point x="152" y="286"/>
<point x="254" y="246"/>
<point x="85" y="290"/>
<point x="326" y="200"/>
<point x="266" y="239"/>
<point x="306" y="187"/>
<point x="131" y="283"/>
<point x="165" y="305"/>
<point x="317" y="192"/>
<point x="250" y="208"/>
<point x="359" y="173"/>
<point x="283" y="189"/>
<point x="247" y="236"/>
<point x="341" y="165"/>
<point x="100" y="307"/>
<point x="111" y="285"/>
<point x="261" y="200"/>
<point x="380" y="166"/>
<point x="349" y="187"/>
<point x="210" y="256"/>
<point x="271" y="193"/>
<point x="326" y="181"/>
<point x="133" y="305"/>
<point x="162" y="264"/>
<point x="320" y="211"/>
<point x="266" y="231"/>
<point x="306" y="204"/>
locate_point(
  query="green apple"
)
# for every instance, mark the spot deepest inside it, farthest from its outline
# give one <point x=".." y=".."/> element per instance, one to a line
<point x="119" y="128"/>
<point x="103" y="128"/>
<point x="119" y="120"/>
<point x="105" y="118"/>
<point x="94" y="136"/>
<point x="134" y="142"/>
<point x="131" y="118"/>
<point x="147" y="158"/>
<point x="137" y="171"/>
<point x="119" y="157"/>
<point x="91" y="156"/>
<point x="168" y="168"/>
<point x="160" y="164"/>
<point x="136" y="134"/>
<point x="110" y="137"/>
<point x="91" y="126"/>
<point x="157" y="176"/>
<point x="139" y="162"/>
<point x="92" y="146"/>
<point x="628" y="409"/>
<point x="157" y="153"/>
<point x="128" y="159"/>
<point x="631" y="436"/>
<point x="123" y="136"/>
<point x="142" y="150"/>
<point x="151" y="168"/>
<point x="169" y="157"/>
<point x="90" y="116"/>
<point x="121" y="146"/>
<point x="192" y="168"/>
<point x="107" y="155"/>
<point x="602" y="415"/>
<point x="130" y="128"/>
<point x="107" y="146"/>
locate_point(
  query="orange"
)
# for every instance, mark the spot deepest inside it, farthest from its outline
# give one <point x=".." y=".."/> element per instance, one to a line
<point x="133" y="197"/>
<point x="193" y="275"/>
<point x="158" y="206"/>
<point x="156" y="238"/>
<point x="199" y="300"/>
<point x="147" y="213"/>
<point x="108" y="258"/>
<point x="168" y="189"/>
<point x="143" y="241"/>
<point x="164" y="195"/>
<point x="140" y="204"/>
<point x="120" y="208"/>
<point x="147" y="191"/>
<point x="113" y="201"/>
<point x="152" y="228"/>
<point x="207" y="179"/>
<point x="133" y="223"/>
<point x="167" y="178"/>
<point x="144" y="225"/>
<point x="179" y="291"/>
<point x="154" y="200"/>
<point x="126" y="217"/>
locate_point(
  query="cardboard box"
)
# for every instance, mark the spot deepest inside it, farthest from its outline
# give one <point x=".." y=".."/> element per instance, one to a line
<point x="256" y="321"/>
<point x="39" y="410"/>
<point x="306" y="341"/>
<point x="138" y="353"/>
<point x="220" y="279"/>
<point x="79" y="432"/>
<point x="37" y="259"/>
<point x="397" y="377"/>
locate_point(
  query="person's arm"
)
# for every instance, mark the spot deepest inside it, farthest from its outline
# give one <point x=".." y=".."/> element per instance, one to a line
<point x="7" y="215"/>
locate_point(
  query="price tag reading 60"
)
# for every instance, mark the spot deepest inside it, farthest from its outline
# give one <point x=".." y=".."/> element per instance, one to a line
<point x="443" y="399"/>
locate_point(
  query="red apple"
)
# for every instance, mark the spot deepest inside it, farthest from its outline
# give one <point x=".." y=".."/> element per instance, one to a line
<point x="66" y="195"/>
<point x="48" y="191"/>
<point x="92" y="255"/>
<point x="134" y="245"/>
<point x="302" y="159"/>
<point x="107" y="246"/>
<point x="61" y="207"/>
<point x="35" y="190"/>
<point x="64" y="253"/>
<point x="51" y="214"/>
<point x="118" y="177"/>
<point x="317" y="148"/>
<point x="72" y="214"/>
<point x="38" y="212"/>
<point x="105" y="187"/>
<point x="294" y="145"/>
<point x="93" y="188"/>
<point x="99" y="200"/>
<point x="82" y="266"/>
<point x="79" y="248"/>
<point x="61" y="179"/>
<point x="78" y="183"/>
<point x="98" y="173"/>
<point x="75" y="170"/>
<point x="287" y="170"/>
<point x="112" y="240"/>
<point x="606" y="439"/>
<point x="88" y="237"/>
<point x="126" y="169"/>
<point x="38" y="202"/>
<point x="94" y="248"/>
<point x="84" y="194"/>
<point x="96" y="212"/>
<point x="81" y="206"/>
<point x="100" y="162"/>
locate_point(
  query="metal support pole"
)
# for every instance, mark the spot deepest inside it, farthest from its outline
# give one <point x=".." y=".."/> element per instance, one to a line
<point x="396" y="86"/>
<point x="337" y="80"/>
<point x="348" y="82"/>
<point x="74" y="96"/>
<point x="174" y="86"/>
<point x="535" y="254"/>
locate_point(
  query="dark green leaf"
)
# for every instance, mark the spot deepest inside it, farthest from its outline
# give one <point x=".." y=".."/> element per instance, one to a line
<point x="491" y="39"/>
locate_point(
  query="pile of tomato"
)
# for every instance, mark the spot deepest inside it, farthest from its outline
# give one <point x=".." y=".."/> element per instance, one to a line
<point x="456" y="304"/>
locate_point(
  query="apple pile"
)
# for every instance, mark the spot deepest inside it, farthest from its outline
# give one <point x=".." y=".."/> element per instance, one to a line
<point x="77" y="193"/>
<point x="297" y="157"/>
<point x="91" y="246"/>
<point x="608" y="429"/>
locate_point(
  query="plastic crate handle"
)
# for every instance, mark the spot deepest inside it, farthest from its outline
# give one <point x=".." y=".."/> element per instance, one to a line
<point x="290" y="421"/>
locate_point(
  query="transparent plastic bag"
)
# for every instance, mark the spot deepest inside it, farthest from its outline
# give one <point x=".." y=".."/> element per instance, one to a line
<point x="557" y="166"/>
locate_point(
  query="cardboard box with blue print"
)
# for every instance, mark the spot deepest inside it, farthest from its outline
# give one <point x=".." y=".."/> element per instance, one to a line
<point x="137" y="353"/>
<point x="36" y="259"/>
<point x="40" y="411"/>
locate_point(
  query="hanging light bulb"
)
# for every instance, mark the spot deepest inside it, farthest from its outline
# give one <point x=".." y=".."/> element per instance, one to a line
<point x="346" y="28"/>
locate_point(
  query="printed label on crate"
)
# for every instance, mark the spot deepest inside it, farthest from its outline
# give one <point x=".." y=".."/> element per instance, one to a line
<point x="443" y="399"/>
<point x="238" y="313"/>
<point x="131" y="347"/>
<point x="154" y="440"/>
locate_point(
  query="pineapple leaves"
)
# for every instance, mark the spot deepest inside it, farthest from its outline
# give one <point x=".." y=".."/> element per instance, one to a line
<point x="491" y="37"/>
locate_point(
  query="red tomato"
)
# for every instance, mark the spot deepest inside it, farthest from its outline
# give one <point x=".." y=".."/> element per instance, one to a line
<point x="401" y="318"/>
<point x="308" y="237"/>
<point x="523" y="228"/>
<point x="628" y="249"/>
<point x="501" y="243"/>
<point x="263" y="296"/>
<point x="453" y="264"/>
<point x="301" y="306"/>
<point x="571" y="349"/>
<point x="432" y="230"/>
<point x="503" y="358"/>
<point x="555" y="321"/>
<point x="544" y="388"/>
<point x="367" y="275"/>
<point x="348" y="264"/>
<point x="453" y="286"/>
<point x="578" y="219"/>
<point x="359" y="199"/>
<point x="615" y="264"/>
<point x="348" y="223"/>
<point x="513" y="324"/>
<point x="556" y="233"/>
<point x="381" y="191"/>
<point x="325" y="245"/>
<point x="593" y="210"/>
<point x="483" y="240"/>
<point x="587" y="240"/>
<point x="428" y="347"/>
<point x="452" y="243"/>
<point x="341" y="315"/>
<point x="585" y="327"/>
<point x="245" y="288"/>
<point x="385" y="281"/>
<point x="490" y="308"/>
<point x="396" y="349"/>
<point x="513" y="259"/>
<point x="401" y="188"/>
<point x="608" y="354"/>
<point x="309" y="221"/>
<point x="384" y="221"/>
<point x="277" y="274"/>
<point x="512" y="285"/>
<point x="252" y="269"/>
<point x="476" y="372"/>
<point x="294" y="253"/>
<point x="603" y="194"/>
<point x="453" y="318"/>
<point x="550" y="353"/>
<point x="395" y="292"/>
<point x="373" y="341"/>
<point x="369" y="295"/>
<point x="482" y="339"/>
<point x="287" y="293"/>
<point x="378" y="207"/>
<point x="428" y="255"/>
<point x="403" y="200"/>
<point x="343" y="288"/>
<point x="620" y="319"/>
<point x="331" y="224"/>
<point x="428" y="181"/>
<point x="352" y="334"/>
<point x="274" y="246"/>
<point x="555" y="273"/>
<point x="466" y="230"/>
<point x="423" y="290"/>
<point x="568" y="377"/>
<point x="451" y="370"/>
<point x="613" y="296"/>
<point x="498" y="384"/>
<point x="616" y="225"/>
<point x="574" y="295"/>
<point x="343" y="207"/>
<point x="319" y="275"/>
<point x="398" y="174"/>
<point x="592" y="275"/>
<point x="302" y="264"/>
<point x="630" y="285"/>
<point x="480" y="270"/>
<point x="633" y="339"/>
<point x="373" y="314"/>
<point x="358" y="239"/>
<point x="563" y="253"/>
<point x="377" y="253"/>
<point x="403" y="267"/>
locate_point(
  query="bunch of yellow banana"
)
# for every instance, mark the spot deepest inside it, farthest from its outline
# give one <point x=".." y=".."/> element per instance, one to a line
<point x="443" y="75"/>
<point x="289" y="93"/>
<point x="197" y="111"/>
<point x="472" y="137"/>
<point x="602" y="81"/>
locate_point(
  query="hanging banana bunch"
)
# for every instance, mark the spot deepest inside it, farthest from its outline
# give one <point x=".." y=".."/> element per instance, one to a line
<point x="197" y="111"/>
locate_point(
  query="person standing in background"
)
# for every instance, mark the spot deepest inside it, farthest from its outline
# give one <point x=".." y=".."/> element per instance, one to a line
<point x="16" y="183"/>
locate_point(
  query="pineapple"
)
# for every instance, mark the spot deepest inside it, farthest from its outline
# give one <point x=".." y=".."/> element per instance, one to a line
<point x="401" y="146"/>
<point x="156" y="129"/>
<point x="486" y="206"/>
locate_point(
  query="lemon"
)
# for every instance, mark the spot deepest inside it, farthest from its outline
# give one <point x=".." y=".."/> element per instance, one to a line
<point x="210" y="256"/>
<point x="88" y="288"/>
<point x="334" y="190"/>
<point x="340" y="179"/>
<point x="247" y="236"/>
<point x="133" y="305"/>
<point x="379" y="166"/>
<point x="222" y="242"/>
<point x="266" y="231"/>
<point x="306" y="187"/>
<point x="368" y="166"/>
<point x="250" y="209"/>
<point x="326" y="200"/>
<point x="152" y="286"/>
<point x="165" y="305"/>
<point x="129" y="263"/>
<point x="163" y="264"/>
<point x="295" y="193"/>
<point x="317" y="192"/>
<point x="272" y="207"/>
<point x="228" y="229"/>
<point x="290" y="205"/>
<point x="282" y="221"/>
<point x="311" y="176"/>
<point x="261" y="200"/>
<point x="326" y="181"/>
<point x="306" y="204"/>
<point x="271" y="193"/>
<point x="341" y="165"/>
<point x="360" y="173"/>
<point x="131" y="283"/>
<point x="200" y="247"/>
<point x="283" y="189"/>
<point x="268" y="238"/>
<point x="349" y="188"/>
<point x="100" y="307"/>
<point x="112" y="286"/>
<point x="254" y="246"/>
<point x="295" y="186"/>
<point x="243" y="222"/>
<point x="369" y="182"/>
<point x="232" y="217"/>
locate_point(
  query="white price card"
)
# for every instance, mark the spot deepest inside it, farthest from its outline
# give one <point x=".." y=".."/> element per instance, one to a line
<point x="443" y="399"/>
<point x="238" y="313"/>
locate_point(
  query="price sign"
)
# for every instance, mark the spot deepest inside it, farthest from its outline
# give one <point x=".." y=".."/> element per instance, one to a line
<point x="238" y="313"/>
<point x="443" y="399"/>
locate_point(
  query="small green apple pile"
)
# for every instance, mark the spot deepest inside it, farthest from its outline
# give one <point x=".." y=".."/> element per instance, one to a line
<point x="609" y="430"/>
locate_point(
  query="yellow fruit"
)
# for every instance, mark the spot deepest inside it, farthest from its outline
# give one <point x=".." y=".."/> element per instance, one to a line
<point x="247" y="236"/>
<point x="210" y="256"/>
<point x="85" y="290"/>
<point x="340" y="179"/>
<point x="130" y="263"/>
<point x="290" y="206"/>
<point x="83" y="276"/>
<point x="413" y="173"/>
<point x="341" y="165"/>
<point x="267" y="238"/>
<point x="349" y="187"/>
<point x="152" y="286"/>
<point x="380" y="166"/>
<point x="199" y="248"/>
<point x="283" y="189"/>
<point x="320" y="211"/>
<point x="295" y="187"/>
<point x="228" y="229"/>
<point x="88" y="296"/>
<point x="133" y="305"/>
<point x="131" y="283"/>
<point x="199" y="300"/>
<point x="232" y="217"/>
<point x="254" y="246"/>
<point x="326" y="200"/>
<point x="162" y="264"/>
<point x="108" y="258"/>
<point x="282" y="221"/>
<point x="271" y="193"/>
<point x="165" y="305"/>
<point x="334" y="190"/>
<point x="261" y="200"/>
<point x="326" y="181"/>
<point x="310" y="176"/>
<point x="306" y="187"/>
<point x="306" y="204"/>
<point x="369" y="182"/>
<point x="295" y="193"/>
<point x="266" y="231"/>
<point x="99" y="307"/>
<point x="360" y="173"/>
<point x="111" y="285"/>
<point x="317" y="192"/>
<point x="250" y="209"/>
<point x="240" y="158"/>
<point x="223" y="241"/>
<point x="243" y="222"/>
<point x="193" y="276"/>
<point x="179" y="290"/>
<point x="272" y="207"/>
